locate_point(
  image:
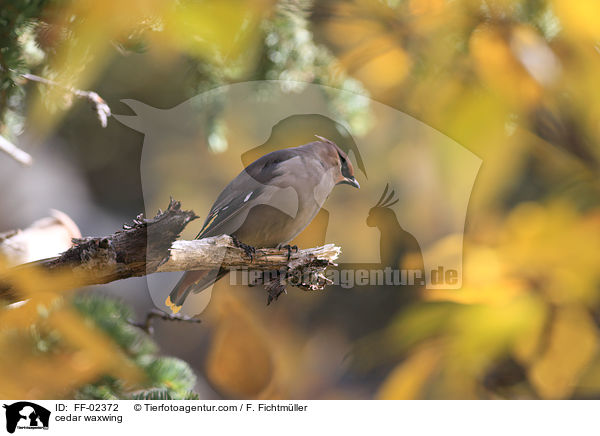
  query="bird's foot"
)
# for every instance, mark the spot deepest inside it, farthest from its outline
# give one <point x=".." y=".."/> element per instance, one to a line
<point x="289" y="249"/>
<point x="274" y="289"/>
<point x="248" y="249"/>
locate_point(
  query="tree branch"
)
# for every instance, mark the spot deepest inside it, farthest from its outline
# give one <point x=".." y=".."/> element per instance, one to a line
<point x="15" y="152"/>
<point x="130" y="253"/>
<point x="45" y="237"/>
<point x="100" y="107"/>
<point x="102" y="110"/>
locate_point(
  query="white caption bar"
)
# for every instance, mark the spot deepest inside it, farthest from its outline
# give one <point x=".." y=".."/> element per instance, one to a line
<point x="284" y="418"/>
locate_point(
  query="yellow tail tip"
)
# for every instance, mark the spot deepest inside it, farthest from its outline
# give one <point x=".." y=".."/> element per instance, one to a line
<point x="172" y="305"/>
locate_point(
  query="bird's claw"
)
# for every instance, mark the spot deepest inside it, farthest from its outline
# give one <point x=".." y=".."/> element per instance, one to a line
<point x="248" y="249"/>
<point x="274" y="289"/>
<point x="289" y="249"/>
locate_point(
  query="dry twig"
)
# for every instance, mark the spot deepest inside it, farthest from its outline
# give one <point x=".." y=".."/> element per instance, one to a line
<point x="100" y="107"/>
<point x="15" y="152"/>
<point x="131" y="252"/>
<point x="102" y="110"/>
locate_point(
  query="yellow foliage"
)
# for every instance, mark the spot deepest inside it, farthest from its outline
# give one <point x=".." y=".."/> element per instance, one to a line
<point x="482" y="333"/>
<point x="78" y="352"/>
<point x="222" y="32"/>
<point x="526" y="296"/>
<point x="477" y="71"/>
<point x="385" y="70"/>
<point x="555" y="249"/>
<point x="572" y="343"/>
<point x="499" y="68"/>
<point x="581" y="19"/>
<point x="485" y="281"/>
<point x="408" y="378"/>
<point x="239" y="362"/>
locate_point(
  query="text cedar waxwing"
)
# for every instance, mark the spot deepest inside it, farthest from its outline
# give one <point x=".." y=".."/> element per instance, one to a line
<point x="269" y="203"/>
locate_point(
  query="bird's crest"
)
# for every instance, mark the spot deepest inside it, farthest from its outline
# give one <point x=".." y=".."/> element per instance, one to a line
<point x="325" y="140"/>
<point x="387" y="201"/>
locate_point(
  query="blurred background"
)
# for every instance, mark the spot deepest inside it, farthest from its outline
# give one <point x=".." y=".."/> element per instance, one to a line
<point x="512" y="82"/>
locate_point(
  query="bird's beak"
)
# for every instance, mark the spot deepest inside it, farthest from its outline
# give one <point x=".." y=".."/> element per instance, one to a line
<point x="350" y="181"/>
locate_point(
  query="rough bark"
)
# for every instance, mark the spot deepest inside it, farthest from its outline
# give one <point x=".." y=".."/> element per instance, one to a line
<point x="130" y="253"/>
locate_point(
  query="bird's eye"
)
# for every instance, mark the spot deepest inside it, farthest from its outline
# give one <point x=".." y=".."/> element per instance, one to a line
<point x="345" y="169"/>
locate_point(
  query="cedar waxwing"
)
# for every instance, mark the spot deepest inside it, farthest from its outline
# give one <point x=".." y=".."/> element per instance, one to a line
<point x="269" y="203"/>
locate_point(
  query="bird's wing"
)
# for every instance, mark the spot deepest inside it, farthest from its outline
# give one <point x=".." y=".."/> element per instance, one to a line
<point x="233" y="202"/>
<point x="257" y="184"/>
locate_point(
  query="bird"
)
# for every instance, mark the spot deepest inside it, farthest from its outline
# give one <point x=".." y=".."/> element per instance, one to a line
<point x="269" y="203"/>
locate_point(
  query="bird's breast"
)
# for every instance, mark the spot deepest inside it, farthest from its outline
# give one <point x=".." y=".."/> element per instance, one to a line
<point x="268" y="226"/>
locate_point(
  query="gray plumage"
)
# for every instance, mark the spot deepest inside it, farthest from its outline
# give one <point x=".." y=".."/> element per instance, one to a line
<point x="270" y="202"/>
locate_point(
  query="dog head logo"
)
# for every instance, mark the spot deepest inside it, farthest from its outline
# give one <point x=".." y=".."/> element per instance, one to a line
<point x="26" y="415"/>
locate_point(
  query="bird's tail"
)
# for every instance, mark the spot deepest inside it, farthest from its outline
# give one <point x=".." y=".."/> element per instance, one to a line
<point x="192" y="281"/>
